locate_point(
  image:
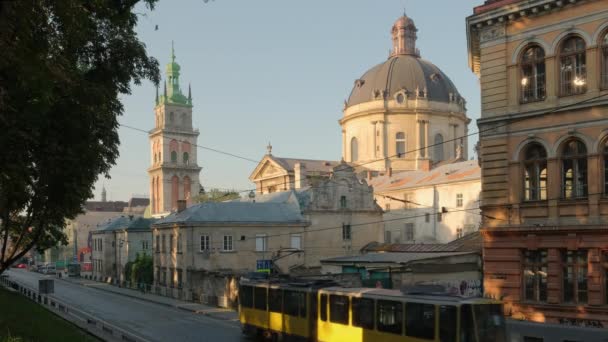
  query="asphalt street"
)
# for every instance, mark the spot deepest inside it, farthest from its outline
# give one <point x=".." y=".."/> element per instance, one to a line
<point x="151" y="321"/>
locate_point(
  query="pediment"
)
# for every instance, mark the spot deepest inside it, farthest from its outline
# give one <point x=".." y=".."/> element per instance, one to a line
<point x="267" y="168"/>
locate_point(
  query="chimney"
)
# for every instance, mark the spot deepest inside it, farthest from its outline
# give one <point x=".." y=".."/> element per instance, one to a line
<point x="390" y="172"/>
<point x="181" y="205"/>
<point x="369" y="175"/>
<point x="299" y="170"/>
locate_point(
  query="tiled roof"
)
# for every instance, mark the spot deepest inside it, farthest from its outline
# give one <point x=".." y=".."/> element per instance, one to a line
<point x="448" y="173"/>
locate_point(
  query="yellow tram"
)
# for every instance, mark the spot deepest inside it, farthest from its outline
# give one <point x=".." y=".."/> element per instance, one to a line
<point x="319" y="311"/>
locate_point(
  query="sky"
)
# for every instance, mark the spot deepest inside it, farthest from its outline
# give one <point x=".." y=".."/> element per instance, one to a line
<point x="276" y="71"/>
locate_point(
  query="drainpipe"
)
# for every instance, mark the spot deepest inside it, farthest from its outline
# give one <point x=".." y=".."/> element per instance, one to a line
<point x="435" y="212"/>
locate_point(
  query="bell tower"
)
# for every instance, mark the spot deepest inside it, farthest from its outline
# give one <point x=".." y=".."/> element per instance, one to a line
<point x="174" y="172"/>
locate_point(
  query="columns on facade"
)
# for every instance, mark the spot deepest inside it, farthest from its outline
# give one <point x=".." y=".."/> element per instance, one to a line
<point x="595" y="187"/>
<point x="375" y="139"/>
<point x="382" y="139"/>
<point x="455" y="141"/>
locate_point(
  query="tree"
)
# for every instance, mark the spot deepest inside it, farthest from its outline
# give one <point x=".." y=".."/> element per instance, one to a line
<point x="216" y="195"/>
<point x="63" y="66"/>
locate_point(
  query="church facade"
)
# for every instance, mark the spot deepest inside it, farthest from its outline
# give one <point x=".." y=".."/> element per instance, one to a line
<point x="174" y="172"/>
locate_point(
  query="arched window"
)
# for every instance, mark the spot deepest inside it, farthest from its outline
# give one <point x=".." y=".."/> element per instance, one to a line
<point x="173" y="146"/>
<point x="533" y="74"/>
<point x="574" y="169"/>
<point x="155" y="160"/>
<point x="400" y="144"/>
<point x="605" y="156"/>
<point x="171" y="116"/>
<point x="174" y="191"/>
<point x="438" y="148"/>
<point x="535" y="173"/>
<point x="604" y="54"/>
<point x="173" y="156"/>
<point x="187" y="189"/>
<point x="354" y="150"/>
<point x="186" y="158"/>
<point x="573" y="66"/>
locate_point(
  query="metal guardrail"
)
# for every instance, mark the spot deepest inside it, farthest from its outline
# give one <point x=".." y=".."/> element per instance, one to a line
<point x="89" y="322"/>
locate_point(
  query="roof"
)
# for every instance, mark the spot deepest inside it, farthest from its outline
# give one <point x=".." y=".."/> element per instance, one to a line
<point x="396" y="258"/>
<point x="443" y="174"/>
<point x="282" y="207"/>
<point x="493" y="4"/>
<point x="397" y="293"/>
<point x="139" y="202"/>
<point x="468" y="243"/>
<point x="116" y="206"/>
<point x="400" y="72"/>
<point x="310" y="164"/>
<point x="126" y="223"/>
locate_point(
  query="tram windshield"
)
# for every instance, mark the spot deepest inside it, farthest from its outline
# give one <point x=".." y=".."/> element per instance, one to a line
<point x="490" y="322"/>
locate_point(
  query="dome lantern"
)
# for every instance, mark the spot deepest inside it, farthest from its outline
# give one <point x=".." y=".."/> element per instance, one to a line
<point x="404" y="37"/>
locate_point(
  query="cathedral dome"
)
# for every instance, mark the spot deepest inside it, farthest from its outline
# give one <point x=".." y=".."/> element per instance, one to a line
<point x="404" y="72"/>
<point x="409" y="73"/>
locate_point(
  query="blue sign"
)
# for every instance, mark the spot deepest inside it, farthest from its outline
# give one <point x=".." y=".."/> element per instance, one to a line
<point x="263" y="265"/>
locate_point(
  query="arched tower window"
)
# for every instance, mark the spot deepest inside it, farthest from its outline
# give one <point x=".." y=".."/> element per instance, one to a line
<point x="174" y="191"/>
<point x="573" y="66"/>
<point x="605" y="157"/>
<point x="574" y="169"/>
<point x="533" y="74"/>
<point x="354" y="150"/>
<point x="535" y="172"/>
<point x="173" y="146"/>
<point x="400" y="144"/>
<point x="171" y="117"/>
<point x="604" y="54"/>
<point x="187" y="187"/>
<point x="186" y="158"/>
<point x="173" y="156"/>
<point x="186" y="152"/>
<point x="438" y="148"/>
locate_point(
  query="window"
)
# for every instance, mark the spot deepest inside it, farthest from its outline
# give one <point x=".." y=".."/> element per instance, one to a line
<point x="275" y="300"/>
<point x="447" y="323"/>
<point x="323" y="307"/>
<point x="296" y="241"/>
<point x="400" y="144"/>
<point x="409" y="232"/>
<point x="605" y="156"/>
<point x="427" y="217"/>
<point x="535" y="275"/>
<point x="387" y="207"/>
<point x="363" y="313"/>
<point x="574" y="170"/>
<point x="205" y="243"/>
<point x="171" y="116"/>
<point x="186" y="158"/>
<point x="535" y="173"/>
<point x="173" y="156"/>
<point x="179" y="278"/>
<point x="227" y="247"/>
<point x="604" y="57"/>
<point x="164" y="278"/>
<point x="459" y="233"/>
<point x="354" y="150"/>
<point x="573" y="68"/>
<point x="467" y="327"/>
<point x="260" y="297"/>
<point x="605" y="260"/>
<point x="438" y="148"/>
<point x="574" y="276"/>
<point x="387" y="236"/>
<point x="295" y="303"/>
<point x="171" y="245"/>
<point x="390" y="316"/>
<point x="261" y="242"/>
<point x="246" y="296"/>
<point x="172" y="277"/>
<point x="420" y="320"/>
<point x="533" y="74"/>
<point x="408" y="198"/>
<point x="338" y="309"/>
<point x="343" y="202"/>
<point x="144" y="244"/>
<point x="101" y="244"/>
<point x="346" y="232"/>
<point x="179" y="242"/>
<point x="459" y="200"/>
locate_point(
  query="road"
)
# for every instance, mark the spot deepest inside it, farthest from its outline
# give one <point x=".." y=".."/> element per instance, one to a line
<point x="151" y="321"/>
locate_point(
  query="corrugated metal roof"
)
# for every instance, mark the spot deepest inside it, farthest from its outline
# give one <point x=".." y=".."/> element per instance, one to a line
<point x="444" y="174"/>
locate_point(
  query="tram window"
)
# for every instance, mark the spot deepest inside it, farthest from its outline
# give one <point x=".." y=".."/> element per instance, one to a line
<point x="260" y="299"/>
<point x="363" y="313"/>
<point x="390" y="316"/>
<point x="275" y="300"/>
<point x="302" y="299"/>
<point x="323" y="307"/>
<point x="467" y="329"/>
<point x="338" y="309"/>
<point x="447" y="323"/>
<point x="295" y="303"/>
<point x="246" y="296"/>
<point x="420" y="320"/>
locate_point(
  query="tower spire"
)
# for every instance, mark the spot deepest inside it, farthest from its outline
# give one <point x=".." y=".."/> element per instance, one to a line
<point x="172" y="52"/>
<point x="189" y="94"/>
<point x="157" y="94"/>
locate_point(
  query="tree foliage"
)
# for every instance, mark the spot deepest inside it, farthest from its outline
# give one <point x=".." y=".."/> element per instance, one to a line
<point x="141" y="270"/>
<point x="216" y="195"/>
<point x="63" y="66"/>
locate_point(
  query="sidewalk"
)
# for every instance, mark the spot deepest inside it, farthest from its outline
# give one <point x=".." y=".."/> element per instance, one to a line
<point x="210" y="311"/>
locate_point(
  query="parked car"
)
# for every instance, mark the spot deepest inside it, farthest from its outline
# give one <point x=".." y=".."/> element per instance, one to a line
<point x="49" y="269"/>
<point x="39" y="268"/>
<point x="22" y="266"/>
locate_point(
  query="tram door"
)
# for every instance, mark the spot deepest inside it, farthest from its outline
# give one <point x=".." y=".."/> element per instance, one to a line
<point x="313" y="315"/>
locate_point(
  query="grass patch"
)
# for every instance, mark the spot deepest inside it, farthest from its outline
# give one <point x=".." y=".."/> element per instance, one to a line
<point x="22" y="320"/>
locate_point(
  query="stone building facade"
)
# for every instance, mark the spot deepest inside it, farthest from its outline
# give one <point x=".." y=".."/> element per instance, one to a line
<point x="543" y="67"/>
<point x="173" y="171"/>
<point x="294" y="228"/>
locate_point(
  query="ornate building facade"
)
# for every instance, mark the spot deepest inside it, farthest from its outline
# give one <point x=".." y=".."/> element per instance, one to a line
<point x="401" y="113"/>
<point x="174" y="173"/>
<point x="543" y="67"/>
